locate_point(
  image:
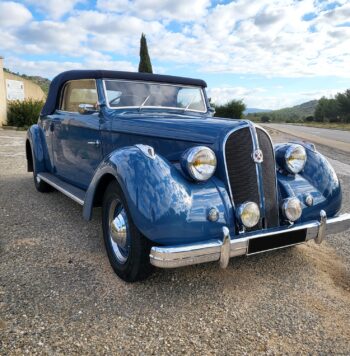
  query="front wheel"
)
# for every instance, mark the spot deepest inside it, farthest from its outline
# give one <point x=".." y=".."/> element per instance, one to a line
<point x="127" y="249"/>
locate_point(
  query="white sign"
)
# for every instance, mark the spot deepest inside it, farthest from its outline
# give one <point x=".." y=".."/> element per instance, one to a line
<point x="14" y="89"/>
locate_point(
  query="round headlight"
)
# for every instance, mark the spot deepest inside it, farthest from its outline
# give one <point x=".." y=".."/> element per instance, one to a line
<point x="200" y="163"/>
<point x="295" y="158"/>
<point x="291" y="209"/>
<point x="248" y="214"/>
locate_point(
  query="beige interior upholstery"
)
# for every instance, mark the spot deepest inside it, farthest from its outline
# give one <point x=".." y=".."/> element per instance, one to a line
<point x="78" y="92"/>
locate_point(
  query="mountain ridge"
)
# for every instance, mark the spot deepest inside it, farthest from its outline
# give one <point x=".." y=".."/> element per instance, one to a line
<point x="293" y="113"/>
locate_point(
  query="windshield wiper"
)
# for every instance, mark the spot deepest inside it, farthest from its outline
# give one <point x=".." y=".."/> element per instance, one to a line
<point x="190" y="103"/>
<point x="144" y="103"/>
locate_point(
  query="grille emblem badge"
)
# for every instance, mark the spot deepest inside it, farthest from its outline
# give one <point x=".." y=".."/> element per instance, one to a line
<point x="258" y="156"/>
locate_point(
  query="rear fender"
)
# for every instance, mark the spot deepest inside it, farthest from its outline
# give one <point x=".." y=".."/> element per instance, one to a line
<point x="40" y="156"/>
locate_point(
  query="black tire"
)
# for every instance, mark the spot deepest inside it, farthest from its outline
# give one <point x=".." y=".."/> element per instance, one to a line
<point x="40" y="185"/>
<point x="129" y="257"/>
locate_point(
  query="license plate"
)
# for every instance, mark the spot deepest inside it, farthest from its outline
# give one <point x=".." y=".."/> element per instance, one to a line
<point x="285" y="239"/>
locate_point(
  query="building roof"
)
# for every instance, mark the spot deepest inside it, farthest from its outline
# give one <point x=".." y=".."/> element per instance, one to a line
<point x="58" y="82"/>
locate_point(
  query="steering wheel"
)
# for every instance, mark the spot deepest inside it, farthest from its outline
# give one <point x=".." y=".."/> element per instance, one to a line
<point x="111" y="102"/>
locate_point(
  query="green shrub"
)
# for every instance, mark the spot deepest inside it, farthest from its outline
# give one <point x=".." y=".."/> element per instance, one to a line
<point x="309" y="118"/>
<point x="232" y="109"/>
<point x="23" y="113"/>
<point x="265" y="118"/>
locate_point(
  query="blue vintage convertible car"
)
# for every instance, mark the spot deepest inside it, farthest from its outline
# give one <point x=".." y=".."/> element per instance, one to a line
<point x="177" y="186"/>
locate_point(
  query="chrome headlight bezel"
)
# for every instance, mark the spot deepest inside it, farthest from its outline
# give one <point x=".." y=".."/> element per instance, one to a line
<point x="199" y="163"/>
<point x="295" y="158"/>
<point x="245" y="208"/>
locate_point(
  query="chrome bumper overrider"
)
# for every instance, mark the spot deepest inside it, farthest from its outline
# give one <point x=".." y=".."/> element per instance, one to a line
<point x="223" y="250"/>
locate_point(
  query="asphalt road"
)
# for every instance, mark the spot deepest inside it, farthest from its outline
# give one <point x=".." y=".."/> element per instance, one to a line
<point x="332" y="138"/>
<point x="59" y="295"/>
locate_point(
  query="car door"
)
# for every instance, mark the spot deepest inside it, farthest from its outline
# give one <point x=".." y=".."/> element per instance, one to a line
<point x="76" y="133"/>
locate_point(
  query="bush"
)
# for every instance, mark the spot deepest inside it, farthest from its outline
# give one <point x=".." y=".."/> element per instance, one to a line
<point x="23" y="113"/>
<point x="265" y="118"/>
<point x="232" y="109"/>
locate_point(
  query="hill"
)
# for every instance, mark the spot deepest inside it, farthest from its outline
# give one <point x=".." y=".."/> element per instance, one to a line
<point x="254" y="110"/>
<point x="44" y="83"/>
<point x="294" y="113"/>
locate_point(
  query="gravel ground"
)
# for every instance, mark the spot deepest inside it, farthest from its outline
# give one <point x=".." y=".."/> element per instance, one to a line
<point x="59" y="295"/>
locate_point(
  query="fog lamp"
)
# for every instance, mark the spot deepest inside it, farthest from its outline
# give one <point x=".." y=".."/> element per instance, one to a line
<point x="291" y="209"/>
<point x="248" y="214"/>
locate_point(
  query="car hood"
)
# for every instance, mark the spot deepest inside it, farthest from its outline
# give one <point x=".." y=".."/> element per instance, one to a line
<point x="197" y="128"/>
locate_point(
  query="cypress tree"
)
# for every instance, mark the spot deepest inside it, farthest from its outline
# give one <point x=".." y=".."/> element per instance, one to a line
<point x="145" y="65"/>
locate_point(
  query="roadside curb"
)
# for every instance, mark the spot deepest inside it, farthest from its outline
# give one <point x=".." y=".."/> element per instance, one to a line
<point x="15" y="128"/>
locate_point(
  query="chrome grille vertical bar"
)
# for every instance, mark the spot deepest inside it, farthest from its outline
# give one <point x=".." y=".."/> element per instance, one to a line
<point x="269" y="178"/>
<point x="259" y="177"/>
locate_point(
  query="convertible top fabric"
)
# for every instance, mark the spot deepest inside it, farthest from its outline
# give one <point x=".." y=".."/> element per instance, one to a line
<point x="58" y="82"/>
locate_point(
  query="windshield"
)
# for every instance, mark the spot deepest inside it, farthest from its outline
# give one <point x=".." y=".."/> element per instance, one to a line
<point x="121" y="94"/>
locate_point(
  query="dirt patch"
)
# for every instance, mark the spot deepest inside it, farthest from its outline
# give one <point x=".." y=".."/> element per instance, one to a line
<point x="332" y="269"/>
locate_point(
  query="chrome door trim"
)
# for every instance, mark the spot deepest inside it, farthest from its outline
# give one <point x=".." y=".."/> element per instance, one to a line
<point x="62" y="190"/>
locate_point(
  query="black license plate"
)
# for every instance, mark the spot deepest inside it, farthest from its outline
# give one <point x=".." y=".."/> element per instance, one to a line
<point x="266" y="243"/>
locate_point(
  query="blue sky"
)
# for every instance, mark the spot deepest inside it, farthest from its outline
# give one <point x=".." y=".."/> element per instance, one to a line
<point x="269" y="53"/>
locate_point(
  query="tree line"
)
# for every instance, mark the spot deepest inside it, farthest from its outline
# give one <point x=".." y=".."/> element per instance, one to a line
<point x="335" y="109"/>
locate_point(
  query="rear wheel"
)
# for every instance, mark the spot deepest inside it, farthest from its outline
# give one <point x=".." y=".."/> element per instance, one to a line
<point x="127" y="249"/>
<point x="40" y="185"/>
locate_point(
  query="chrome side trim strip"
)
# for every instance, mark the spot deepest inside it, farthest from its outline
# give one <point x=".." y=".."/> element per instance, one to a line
<point x="216" y="250"/>
<point x="62" y="190"/>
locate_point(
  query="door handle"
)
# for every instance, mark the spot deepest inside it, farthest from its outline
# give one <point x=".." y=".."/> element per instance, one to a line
<point x="95" y="143"/>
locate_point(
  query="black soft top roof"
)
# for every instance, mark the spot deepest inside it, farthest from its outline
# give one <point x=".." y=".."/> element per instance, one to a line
<point x="61" y="79"/>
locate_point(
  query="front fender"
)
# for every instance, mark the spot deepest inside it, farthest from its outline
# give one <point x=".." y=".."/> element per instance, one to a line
<point x="318" y="179"/>
<point x="164" y="205"/>
<point x="41" y="159"/>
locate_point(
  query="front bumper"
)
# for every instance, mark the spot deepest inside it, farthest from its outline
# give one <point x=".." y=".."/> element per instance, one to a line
<point x="248" y="244"/>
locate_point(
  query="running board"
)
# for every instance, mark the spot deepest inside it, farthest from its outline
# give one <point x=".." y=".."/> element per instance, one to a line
<point x="67" y="189"/>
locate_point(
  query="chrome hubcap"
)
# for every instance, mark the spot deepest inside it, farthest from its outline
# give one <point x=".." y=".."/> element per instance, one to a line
<point x="119" y="231"/>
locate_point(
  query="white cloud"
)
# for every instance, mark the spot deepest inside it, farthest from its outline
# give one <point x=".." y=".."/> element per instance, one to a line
<point x="261" y="98"/>
<point x="55" y="9"/>
<point x="221" y="95"/>
<point x="49" y="69"/>
<point x="13" y="14"/>
<point x="52" y="36"/>
<point x="266" y="37"/>
<point x="182" y="10"/>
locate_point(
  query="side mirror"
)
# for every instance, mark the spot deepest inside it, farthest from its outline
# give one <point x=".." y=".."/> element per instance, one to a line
<point x="211" y="111"/>
<point x="85" y="109"/>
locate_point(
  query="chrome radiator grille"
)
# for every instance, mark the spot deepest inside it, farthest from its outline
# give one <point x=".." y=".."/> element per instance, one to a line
<point x="250" y="181"/>
<point x="268" y="168"/>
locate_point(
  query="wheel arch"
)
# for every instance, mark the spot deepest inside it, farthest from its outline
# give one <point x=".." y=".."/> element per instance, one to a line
<point x="37" y="151"/>
<point x="29" y="156"/>
<point x="101" y="188"/>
